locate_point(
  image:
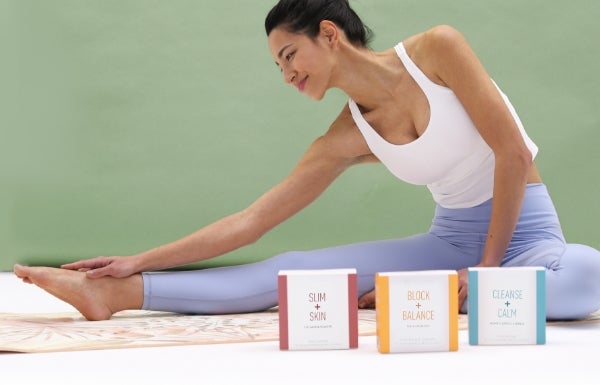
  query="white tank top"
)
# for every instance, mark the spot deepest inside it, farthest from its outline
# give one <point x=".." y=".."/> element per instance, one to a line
<point x="451" y="157"/>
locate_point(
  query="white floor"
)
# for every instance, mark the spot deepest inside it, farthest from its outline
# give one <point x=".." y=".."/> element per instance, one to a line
<point x="571" y="356"/>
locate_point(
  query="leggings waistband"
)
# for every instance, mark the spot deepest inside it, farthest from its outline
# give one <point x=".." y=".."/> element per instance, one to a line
<point x="467" y="228"/>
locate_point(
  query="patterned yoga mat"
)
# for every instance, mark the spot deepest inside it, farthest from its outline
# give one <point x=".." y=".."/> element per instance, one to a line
<point x="28" y="333"/>
<point x="52" y="332"/>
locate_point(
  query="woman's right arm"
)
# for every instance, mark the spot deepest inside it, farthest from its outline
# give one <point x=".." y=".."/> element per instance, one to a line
<point x="326" y="158"/>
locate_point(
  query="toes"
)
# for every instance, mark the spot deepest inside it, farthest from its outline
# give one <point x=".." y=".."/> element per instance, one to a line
<point x="28" y="274"/>
<point x="367" y="301"/>
<point x="20" y="271"/>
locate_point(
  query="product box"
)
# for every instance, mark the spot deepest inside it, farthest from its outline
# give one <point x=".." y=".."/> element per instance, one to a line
<point x="507" y="306"/>
<point x="417" y="311"/>
<point x="318" y="309"/>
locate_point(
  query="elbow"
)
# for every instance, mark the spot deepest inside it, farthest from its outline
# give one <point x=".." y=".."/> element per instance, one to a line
<point x="517" y="162"/>
<point x="254" y="237"/>
<point x="525" y="157"/>
<point x="253" y="228"/>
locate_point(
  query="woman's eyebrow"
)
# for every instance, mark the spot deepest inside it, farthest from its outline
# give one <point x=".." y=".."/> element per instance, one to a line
<point x="280" y="54"/>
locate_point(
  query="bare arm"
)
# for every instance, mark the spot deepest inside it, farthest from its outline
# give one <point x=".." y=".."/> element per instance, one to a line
<point x="449" y="60"/>
<point x="322" y="163"/>
<point x="312" y="175"/>
<point x="453" y="62"/>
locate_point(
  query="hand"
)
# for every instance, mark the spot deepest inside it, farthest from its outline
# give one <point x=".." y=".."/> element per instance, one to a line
<point x="463" y="287"/>
<point x="119" y="267"/>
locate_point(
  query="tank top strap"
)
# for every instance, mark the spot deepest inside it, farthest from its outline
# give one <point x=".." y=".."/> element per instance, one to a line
<point x="422" y="80"/>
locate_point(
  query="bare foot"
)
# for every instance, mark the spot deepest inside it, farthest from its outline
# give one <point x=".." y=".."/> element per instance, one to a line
<point x="367" y="300"/>
<point x="96" y="299"/>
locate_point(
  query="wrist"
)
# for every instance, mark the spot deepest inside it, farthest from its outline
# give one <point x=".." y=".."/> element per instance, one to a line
<point x="487" y="263"/>
<point x="139" y="263"/>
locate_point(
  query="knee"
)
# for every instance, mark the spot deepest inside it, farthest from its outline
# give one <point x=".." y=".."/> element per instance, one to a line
<point x="587" y="257"/>
<point x="583" y="264"/>
<point x="586" y="261"/>
<point x="573" y="287"/>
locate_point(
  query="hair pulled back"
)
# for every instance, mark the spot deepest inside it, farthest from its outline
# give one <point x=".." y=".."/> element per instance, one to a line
<point x="305" y="16"/>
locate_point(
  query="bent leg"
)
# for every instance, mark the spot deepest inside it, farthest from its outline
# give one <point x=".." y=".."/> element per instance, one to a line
<point x="253" y="287"/>
<point x="573" y="287"/>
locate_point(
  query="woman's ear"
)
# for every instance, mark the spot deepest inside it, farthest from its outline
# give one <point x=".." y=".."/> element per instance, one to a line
<point x="329" y="31"/>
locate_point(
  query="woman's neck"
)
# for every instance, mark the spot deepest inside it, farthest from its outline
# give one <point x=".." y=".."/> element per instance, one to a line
<point x="370" y="78"/>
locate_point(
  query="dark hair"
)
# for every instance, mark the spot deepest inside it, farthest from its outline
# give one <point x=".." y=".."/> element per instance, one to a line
<point x="304" y="16"/>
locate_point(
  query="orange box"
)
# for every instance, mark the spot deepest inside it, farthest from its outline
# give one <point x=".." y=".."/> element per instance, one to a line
<point x="417" y="311"/>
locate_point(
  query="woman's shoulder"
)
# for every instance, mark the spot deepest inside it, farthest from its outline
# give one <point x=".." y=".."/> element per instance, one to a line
<point x="433" y="39"/>
<point x="435" y="49"/>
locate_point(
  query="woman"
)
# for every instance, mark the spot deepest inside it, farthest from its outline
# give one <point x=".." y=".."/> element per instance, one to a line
<point x="430" y="113"/>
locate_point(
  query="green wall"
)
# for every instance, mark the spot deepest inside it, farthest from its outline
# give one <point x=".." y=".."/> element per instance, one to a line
<point x="126" y="124"/>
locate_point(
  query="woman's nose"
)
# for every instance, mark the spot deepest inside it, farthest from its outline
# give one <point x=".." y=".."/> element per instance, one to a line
<point x="289" y="77"/>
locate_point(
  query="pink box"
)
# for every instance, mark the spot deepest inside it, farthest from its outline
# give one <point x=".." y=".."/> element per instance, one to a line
<point x="318" y="309"/>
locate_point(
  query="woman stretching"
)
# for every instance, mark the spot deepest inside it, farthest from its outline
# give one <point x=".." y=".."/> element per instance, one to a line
<point x="429" y="112"/>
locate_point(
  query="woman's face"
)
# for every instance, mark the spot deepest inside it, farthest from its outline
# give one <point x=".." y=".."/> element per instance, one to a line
<point x="304" y="62"/>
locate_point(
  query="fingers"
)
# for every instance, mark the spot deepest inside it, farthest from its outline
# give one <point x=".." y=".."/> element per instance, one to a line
<point x="94" y="268"/>
<point x="73" y="265"/>
<point x="462" y="295"/>
<point x="99" y="272"/>
<point x="114" y="266"/>
<point x="87" y="264"/>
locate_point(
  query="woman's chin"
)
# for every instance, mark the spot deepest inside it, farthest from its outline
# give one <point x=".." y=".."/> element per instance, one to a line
<point x="315" y="96"/>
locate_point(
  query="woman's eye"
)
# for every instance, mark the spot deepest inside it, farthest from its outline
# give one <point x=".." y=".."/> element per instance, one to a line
<point x="289" y="56"/>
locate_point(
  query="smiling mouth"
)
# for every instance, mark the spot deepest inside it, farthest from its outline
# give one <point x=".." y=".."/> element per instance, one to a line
<point x="302" y="84"/>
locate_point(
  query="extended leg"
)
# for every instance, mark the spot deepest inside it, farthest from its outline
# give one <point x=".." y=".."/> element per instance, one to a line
<point x="253" y="287"/>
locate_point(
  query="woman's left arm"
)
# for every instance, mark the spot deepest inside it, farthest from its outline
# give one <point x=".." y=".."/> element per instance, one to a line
<point x="453" y="62"/>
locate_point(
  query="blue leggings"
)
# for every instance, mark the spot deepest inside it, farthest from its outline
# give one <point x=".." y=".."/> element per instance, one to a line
<point x="454" y="241"/>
